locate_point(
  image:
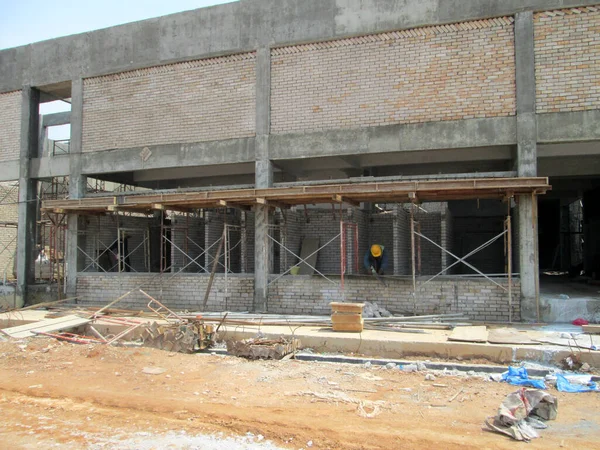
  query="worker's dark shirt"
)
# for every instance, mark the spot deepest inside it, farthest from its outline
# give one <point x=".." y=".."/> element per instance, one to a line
<point x="379" y="264"/>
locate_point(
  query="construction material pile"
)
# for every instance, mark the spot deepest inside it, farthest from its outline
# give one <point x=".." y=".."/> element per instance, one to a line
<point x="178" y="337"/>
<point x="347" y="316"/>
<point x="374" y="310"/>
<point x="262" y="348"/>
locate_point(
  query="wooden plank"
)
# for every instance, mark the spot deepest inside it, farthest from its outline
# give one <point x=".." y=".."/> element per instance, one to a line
<point x="346" y="318"/>
<point x="347" y="307"/>
<point x="354" y="327"/>
<point x="469" y="334"/>
<point x="309" y="247"/>
<point x="351" y="192"/>
<point x="48" y="325"/>
<point x="509" y="336"/>
<point x="591" y="329"/>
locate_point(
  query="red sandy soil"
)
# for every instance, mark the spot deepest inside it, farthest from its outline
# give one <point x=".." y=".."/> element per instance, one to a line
<point x="78" y="396"/>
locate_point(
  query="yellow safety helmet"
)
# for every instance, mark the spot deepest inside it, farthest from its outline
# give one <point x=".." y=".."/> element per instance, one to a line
<point x="376" y="250"/>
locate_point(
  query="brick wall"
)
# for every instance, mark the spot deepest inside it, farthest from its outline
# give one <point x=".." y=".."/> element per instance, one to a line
<point x="179" y="292"/>
<point x="9" y="195"/>
<point x="446" y="72"/>
<point x="214" y="225"/>
<point x="447" y="237"/>
<point x="567" y="59"/>
<point x="479" y="299"/>
<point x="100" y="232"/>
<point x="10" y="125"/>
<point x="431" y="226"/>
<point x="194" y="101"/>
<point x="187" y="236"/>
<point x="402" y="254"/>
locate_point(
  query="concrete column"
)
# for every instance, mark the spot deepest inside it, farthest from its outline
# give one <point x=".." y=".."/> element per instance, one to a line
<point x="264" y="178"/>
<point x="527" y="163"/>
<point x="77" y="187"/>
<point x="27" y="208"/>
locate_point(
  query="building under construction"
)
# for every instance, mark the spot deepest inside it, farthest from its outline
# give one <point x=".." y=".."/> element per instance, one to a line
<point x="260" y="148"/>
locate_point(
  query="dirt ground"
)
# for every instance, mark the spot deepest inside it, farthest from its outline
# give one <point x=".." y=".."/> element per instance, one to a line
<point x="81" y="396"/>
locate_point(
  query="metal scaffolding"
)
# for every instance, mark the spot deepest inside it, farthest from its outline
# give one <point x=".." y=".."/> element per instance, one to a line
<point x="415" y="232"/>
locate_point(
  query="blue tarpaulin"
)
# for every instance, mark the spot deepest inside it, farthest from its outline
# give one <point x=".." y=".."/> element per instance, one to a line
<point x="563" y="385"/>
<point x="519" y="377"/>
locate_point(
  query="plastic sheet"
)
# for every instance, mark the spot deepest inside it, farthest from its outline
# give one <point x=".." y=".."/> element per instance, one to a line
<point x="519" y="377"/>
<point x="563" y="385"/>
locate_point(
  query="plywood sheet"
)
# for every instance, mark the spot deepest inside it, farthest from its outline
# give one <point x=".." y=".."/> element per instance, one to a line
<point x="309" y="246"/>
<point x="47" y="326"/>
<point x="509" y="336"/>
<point x="469" y="334"/>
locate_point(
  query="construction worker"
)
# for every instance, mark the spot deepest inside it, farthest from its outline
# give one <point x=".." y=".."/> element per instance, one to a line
<point x="376" y="259"/>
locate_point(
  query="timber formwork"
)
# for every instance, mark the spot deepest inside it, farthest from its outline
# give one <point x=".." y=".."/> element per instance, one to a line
<point x="393" y="192"/>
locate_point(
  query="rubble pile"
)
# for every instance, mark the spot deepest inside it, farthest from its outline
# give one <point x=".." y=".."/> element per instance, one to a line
<point x="374" y="310"/>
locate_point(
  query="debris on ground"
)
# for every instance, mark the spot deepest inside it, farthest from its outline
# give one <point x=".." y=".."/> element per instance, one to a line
<point x="178" y="337"/>
<point x="520" y="413"/>
<point x="374" y="310"/>
<point x="263" y="348"/>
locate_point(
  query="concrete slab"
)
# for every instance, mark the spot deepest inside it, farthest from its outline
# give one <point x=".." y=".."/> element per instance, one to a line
<point x="469" y="334"/>
<point x="381" y="344"/>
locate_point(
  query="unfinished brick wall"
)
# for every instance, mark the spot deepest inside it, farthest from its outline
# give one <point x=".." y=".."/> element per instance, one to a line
<point x="567" y="59"/>
<point x="446" y="72"/>
<point x="479" y="299"/>
<point x="429" y="218"/>
<point x="187" y="237"/>
<point x="101" y="232"/>
<point x="447" y="237"/>
<point x="176" y="291"/>
<point x="195" y="101"/>
<point x="215" y="221"/>
<point x="10" y="126"/>
<point x="402" y="254"/>
<point x="9" y="215"/>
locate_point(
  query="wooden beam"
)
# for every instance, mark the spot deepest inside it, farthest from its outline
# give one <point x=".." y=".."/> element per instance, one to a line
<point x="163" y="207"/>
<point x="434" y="190"/>
<point x="339" y="199"/>
<point x="271" y="203"/>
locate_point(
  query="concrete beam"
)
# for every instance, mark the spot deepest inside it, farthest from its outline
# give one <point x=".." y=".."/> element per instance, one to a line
<point x="172" y="155"/>
<point x="56" y="119"/>
<point x="568" y="126"/>
<point x="27" y="208"/>
<point x="233" y="28"/>
<point x="49" y="167"/>
<point x="396" y="138"/>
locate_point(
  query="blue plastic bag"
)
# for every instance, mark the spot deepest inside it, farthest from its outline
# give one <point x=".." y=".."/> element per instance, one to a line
<point x="563" y="385"/>
<point x="519" y="377"/>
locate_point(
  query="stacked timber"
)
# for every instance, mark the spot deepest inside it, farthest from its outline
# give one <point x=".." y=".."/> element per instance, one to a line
<point x="347" y="316"/>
